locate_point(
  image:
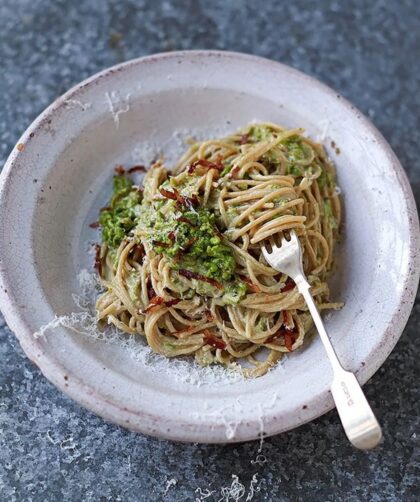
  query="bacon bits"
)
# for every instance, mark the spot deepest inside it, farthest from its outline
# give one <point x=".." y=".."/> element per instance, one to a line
<point x="289" y="336"/>
<point x="137" y="253"/>
<point x="98" y="259"/>
<point x="171" y="303"/>
<point x="150" y="291"/>
<point x="213" y="340"/>
<point x="253" y="287"/>
<point x="137" y="169"/>
<point x="182" y="219"/>
<point x="172" y="236"/>
<point x="156" y="301"/>
<point x="194" y="275"/>
<point x="119" y="170"/>
<point x="160" y="244"/>
<point x="209" y="315"/>
<point x="289" y="340"/>
<point x="290" y="284"/>
<point x="188" y="202"/>
<point x="206" y="164"/>
<point x="234" y="172"/>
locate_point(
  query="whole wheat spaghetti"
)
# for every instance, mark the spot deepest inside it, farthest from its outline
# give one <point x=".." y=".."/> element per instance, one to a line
<point x="181" y="261"/>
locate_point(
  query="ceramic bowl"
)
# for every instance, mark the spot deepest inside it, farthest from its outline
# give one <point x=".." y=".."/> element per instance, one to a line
<point x="58" y="176"/>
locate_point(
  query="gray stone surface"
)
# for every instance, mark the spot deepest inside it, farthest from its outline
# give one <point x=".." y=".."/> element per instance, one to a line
<point x="50" y="448"/>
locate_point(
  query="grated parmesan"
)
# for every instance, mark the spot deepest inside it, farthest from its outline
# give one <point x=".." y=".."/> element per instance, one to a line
<point x="83" y="322"/>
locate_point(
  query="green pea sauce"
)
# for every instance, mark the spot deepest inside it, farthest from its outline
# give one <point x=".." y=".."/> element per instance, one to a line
<point x="117" y="220"/>
<point x="189" y="238"/>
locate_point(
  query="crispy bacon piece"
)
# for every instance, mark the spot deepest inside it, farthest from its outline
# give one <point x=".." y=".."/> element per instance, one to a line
<point x="119" y="170"/>
<point x="253" y="287"/>
<point x="138" y="248"/>
<point x="150" y="291"/>
<point x="234" y="172"/>
<point x="244" y="139"/>
<point x="137" y="169"/>
<point x="137" y="252"/>
<point x="107" y="208"/>
<point x="224" y="315"/>
<point x="188" y="202"/>
<point x="172" y="236"/>
<point x="153" y="303"/>
<point x="276" y="335"/>
<point x="168" y="194"/>
<point x="289" y="336"/>
<point x="290" y="284"/>
<point x="98" y="259"/>
<point x="205" y="163"/>
<point x="209" y="315"/>
<point x="160" y="244"/>
<point x="213" y="340"/>
<point x="95" y="224"/>
<point x="156" y="301"/>
<point x="182" y="219"/>
<point x="194" y="275"/>
<point x="171" y="303"/>
<point x="289" y="340"/>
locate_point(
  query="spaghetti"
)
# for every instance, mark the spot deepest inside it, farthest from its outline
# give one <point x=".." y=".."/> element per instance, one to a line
<point x="181" y="261"/>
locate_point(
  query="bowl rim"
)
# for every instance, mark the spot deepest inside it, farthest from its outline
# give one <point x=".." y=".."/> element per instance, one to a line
<point x="94" y="401"/>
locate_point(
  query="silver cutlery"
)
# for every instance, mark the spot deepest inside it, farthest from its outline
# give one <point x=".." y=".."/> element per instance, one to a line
<point x="357" y="417"/>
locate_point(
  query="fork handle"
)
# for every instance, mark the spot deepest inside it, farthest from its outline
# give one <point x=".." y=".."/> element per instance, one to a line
<point x="357" y="417"/>
<point x="304" y="287"/>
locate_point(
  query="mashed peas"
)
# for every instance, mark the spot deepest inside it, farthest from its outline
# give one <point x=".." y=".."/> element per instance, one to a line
<point x="120" y="217"/>
<point x="188" y="237"/>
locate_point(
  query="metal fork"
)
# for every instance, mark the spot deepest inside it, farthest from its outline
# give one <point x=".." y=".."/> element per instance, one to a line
<point x="359" y="422"/>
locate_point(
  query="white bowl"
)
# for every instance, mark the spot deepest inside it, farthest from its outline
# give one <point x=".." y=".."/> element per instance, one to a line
<point x="58" y="176"/>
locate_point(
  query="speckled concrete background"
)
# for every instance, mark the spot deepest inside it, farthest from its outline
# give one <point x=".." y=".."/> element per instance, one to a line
<point x="50" y="448"/>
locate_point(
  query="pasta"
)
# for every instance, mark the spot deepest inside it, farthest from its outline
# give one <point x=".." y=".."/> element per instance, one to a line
<point x="181" y="261"/>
